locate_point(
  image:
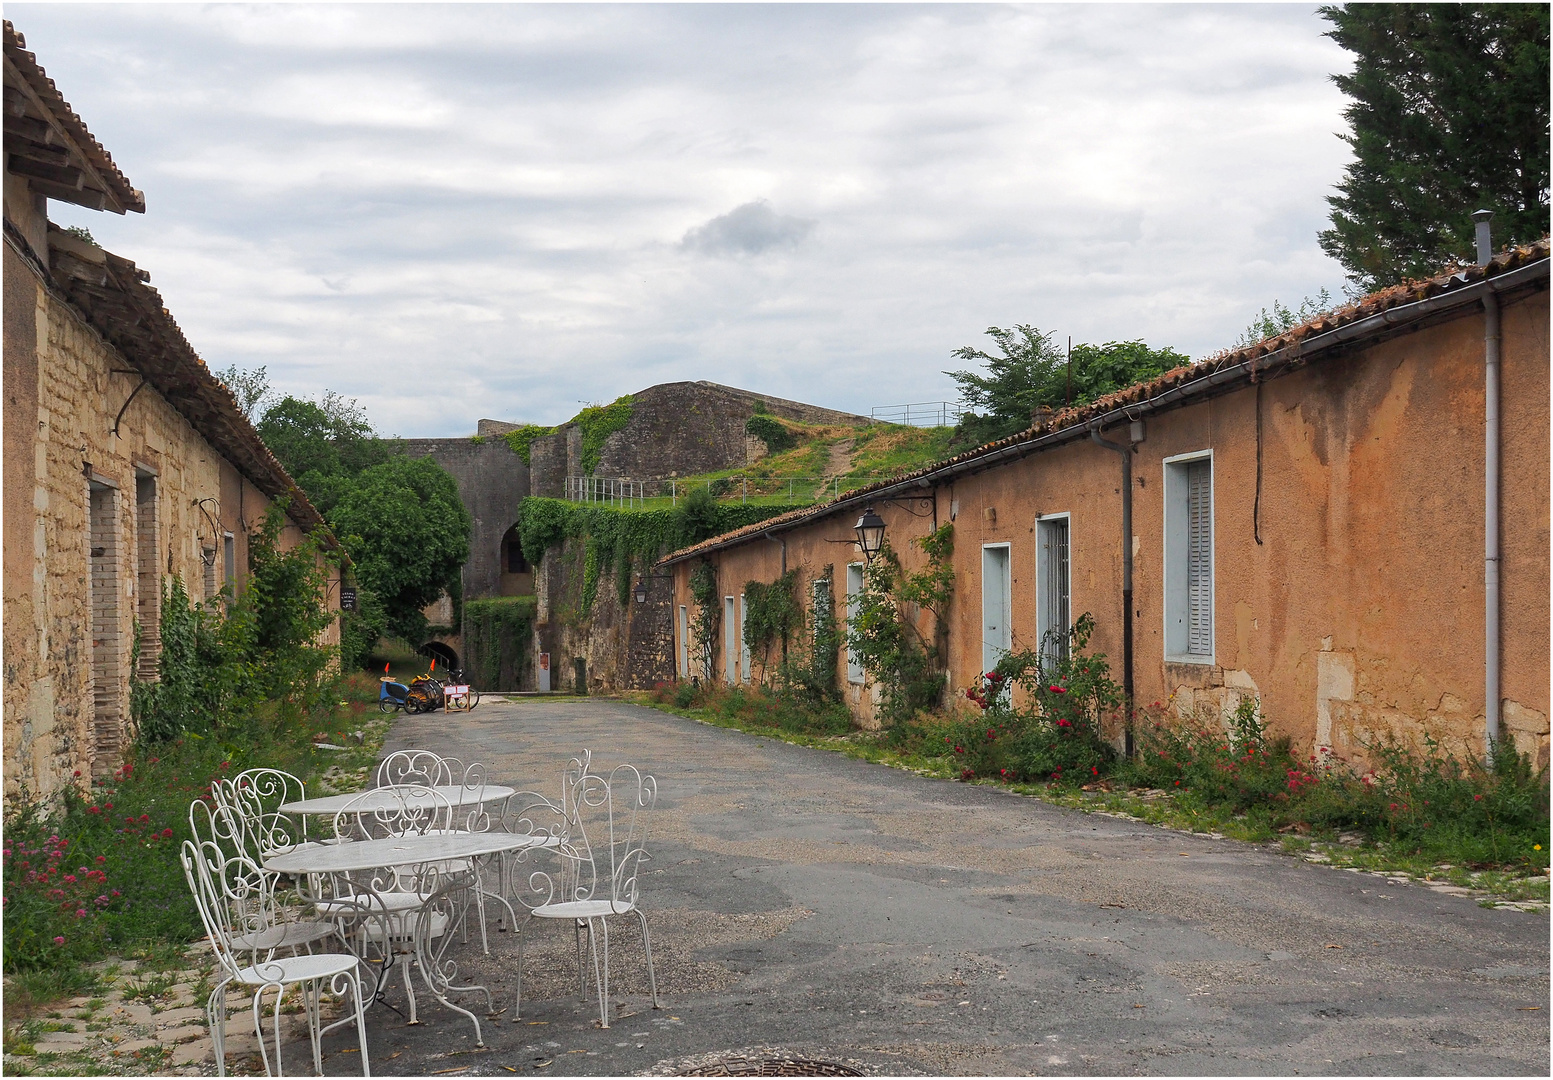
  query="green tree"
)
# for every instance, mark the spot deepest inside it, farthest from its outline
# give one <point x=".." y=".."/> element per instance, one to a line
<point x="407" y="533"/>
<point x="1031" y="372"/>
<point x="250" y="388"/>
<point x="323" y="444"/>
<point x="1449" y="110"/>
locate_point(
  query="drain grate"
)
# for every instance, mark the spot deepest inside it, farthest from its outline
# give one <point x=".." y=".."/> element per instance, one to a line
<point x="780" y="1066"/>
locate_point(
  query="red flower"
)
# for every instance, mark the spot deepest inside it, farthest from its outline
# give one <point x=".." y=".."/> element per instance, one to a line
<point x="94" y="809"/>
<point x="1477" y="798"/>
<point x="102" y="858"/>
<point x="166" y="833"/>
<point x="1064" y="723"/>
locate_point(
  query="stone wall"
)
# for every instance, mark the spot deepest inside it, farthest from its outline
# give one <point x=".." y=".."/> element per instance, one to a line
<point x="95" y="522"/>
<point x="492" y="481"/>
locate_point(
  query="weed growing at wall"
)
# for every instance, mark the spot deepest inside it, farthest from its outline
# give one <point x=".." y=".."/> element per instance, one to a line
<point x="772" y="432"/>
<point x="216" y="666"/>
<point x="498" y="641"/>
<point x="885" y="635"/>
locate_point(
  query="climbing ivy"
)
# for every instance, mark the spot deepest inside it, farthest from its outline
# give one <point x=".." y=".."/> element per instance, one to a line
<point x="771" y="615"/>
<point x="621" y="542"/>
<point x="883" y="635"/>
<point x="498" y="641"/>
<point x="703" y="590"/>
<point x="598" y="423"/>
<point x="518" y="439"/>
<point x="813" y="672"/>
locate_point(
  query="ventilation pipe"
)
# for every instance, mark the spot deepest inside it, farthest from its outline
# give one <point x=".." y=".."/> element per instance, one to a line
<point x="1135" y="435"/>
<point x="1491" y="694"/>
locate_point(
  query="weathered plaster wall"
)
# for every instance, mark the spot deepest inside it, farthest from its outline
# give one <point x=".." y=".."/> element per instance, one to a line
<point x="1360" y="613"/>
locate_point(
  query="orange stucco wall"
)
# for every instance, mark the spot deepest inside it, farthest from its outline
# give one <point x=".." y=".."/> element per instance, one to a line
<point x="1358" y="615"/>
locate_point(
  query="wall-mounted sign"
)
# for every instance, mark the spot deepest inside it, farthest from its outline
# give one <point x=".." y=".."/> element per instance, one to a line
<point x="347" y="598"/>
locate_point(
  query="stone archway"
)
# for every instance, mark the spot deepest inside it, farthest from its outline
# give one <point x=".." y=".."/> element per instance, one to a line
<point x="517" y="576"/>
<point x="443" y="653"/>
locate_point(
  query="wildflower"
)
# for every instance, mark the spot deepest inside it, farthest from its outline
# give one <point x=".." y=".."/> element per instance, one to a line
<point x="1393" y="806"/>
<point x="1477" y="798"/>
<point x="166" y="833"/>
<point x="145" y="817"/>
<point x="102" y="858"/>
<point x="78" y="774"/>
<point x="959" y="749"/>
<point x="1057" y="689"/>
<point x="115" y="892"/>
<point x="59" y="941"/>
<point x="80" y="913"/>
<point x="1064" y="723"/>
<point x="1094" y="770"/>
<point x="991" y="734"/>
<point x="94" y="809"/>
<point x="70" y="878"/>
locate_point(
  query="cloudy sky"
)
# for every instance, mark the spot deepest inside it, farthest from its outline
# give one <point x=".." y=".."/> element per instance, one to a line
<point x="454" y="212"/>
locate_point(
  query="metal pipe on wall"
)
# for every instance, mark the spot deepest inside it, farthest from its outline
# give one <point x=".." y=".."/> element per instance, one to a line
<point x="1491" y="692"/>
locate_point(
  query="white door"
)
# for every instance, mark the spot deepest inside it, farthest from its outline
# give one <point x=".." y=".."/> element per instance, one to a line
<point x="995" y="589"/>
<point x="744" y="645"/>
<point x="730" y="643"/>
<point x="684" y="642"/>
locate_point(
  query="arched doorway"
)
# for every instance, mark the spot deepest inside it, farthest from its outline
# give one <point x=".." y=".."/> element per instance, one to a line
<point x="517" y="576"/>
<point x="443" y="654"/>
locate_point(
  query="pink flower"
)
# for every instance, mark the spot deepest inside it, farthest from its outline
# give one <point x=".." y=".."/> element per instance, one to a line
<point x="59" y="941"/>
<point x="102" y="858"/>
<point x="80" y="913"/>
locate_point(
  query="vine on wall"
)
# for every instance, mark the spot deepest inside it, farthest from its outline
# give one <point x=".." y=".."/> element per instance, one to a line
<point x="771" y="615"/>
<point x="703" y="590"/>
<point x="885" y="636"/>
<point x="498" y="639"/>
<point x="811" y="673"/>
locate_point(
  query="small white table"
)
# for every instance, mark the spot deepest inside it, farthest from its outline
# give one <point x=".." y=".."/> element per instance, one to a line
<point x="455" y="795"/>
<point x="314" y="861"/>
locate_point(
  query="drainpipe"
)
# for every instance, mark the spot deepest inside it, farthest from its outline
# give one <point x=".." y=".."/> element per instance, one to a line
<point x="1485" y="251"/>
<point x="1125" y="449"/>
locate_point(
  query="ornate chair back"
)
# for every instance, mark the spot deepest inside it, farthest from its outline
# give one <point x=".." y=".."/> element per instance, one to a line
<point x="394" y="810"/>
<point x="421" y="767"/>
<point x="232" y="893"/>
<point x="607" y="835"/>
<point x="256" y="796"/>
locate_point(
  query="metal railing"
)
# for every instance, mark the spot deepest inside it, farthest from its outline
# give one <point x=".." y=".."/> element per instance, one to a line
<point x="634" y="494"/>
<point x="919" y="413"/>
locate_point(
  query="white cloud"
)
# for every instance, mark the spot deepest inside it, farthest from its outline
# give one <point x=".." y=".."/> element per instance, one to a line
<point x="464" y="211"/>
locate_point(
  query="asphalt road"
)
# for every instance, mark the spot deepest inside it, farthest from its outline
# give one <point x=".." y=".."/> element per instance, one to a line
<point x="807" y="905"/>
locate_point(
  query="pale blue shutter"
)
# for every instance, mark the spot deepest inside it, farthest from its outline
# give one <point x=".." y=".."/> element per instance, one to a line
<point x="1199" y="558"/>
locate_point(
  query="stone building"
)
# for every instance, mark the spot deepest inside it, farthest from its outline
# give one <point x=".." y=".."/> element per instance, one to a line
<point x="125" y="461"/>
<point x="1316" y="521"/>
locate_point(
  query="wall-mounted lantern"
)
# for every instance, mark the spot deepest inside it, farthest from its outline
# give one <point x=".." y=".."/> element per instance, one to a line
<point x="870" y="533"/>
<point x="641" y="591"/>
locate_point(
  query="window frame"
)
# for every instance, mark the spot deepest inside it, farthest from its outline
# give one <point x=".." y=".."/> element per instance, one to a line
<point x="1041" y="600"/>
<point x="730" y="651"/>
<point x="1176" y="597"/>
<point x="856" y="676"/>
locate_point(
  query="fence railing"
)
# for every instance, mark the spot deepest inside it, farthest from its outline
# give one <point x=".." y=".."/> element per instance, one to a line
<point x="634" y="494"/>
<point x="919" y="413"/>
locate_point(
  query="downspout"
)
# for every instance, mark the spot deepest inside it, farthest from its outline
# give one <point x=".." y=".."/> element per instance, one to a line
<point x="1126" y="451"/>
<point x="1491" y="692"/>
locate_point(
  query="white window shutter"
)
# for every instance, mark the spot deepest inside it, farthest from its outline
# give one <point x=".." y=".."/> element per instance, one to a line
<point x="1199" y="557"/>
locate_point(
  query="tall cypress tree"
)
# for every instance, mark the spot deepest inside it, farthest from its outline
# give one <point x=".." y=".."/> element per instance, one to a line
<point x="1450" y="115"/>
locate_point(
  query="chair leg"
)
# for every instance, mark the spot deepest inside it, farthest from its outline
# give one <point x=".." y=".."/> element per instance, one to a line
<point x="312" y="1000"/>
<point x="409" y="989"/>
<point x="361" y="1022"/>
<point x="517" y="998"/>
<point x="602" y="981"/>
<point x="215" y="1015"/>
<point x="258" y="1029"/>
<point x="652" y="980"/>
<point x="582" y="977"/>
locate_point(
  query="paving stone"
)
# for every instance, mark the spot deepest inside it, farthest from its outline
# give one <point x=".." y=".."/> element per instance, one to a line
<point x="192" y="1053"/>
<point x="132" y="1046"/>
<point x="183" y="1034"/>
<point x="131" y="1012"/>
<point x="180" y="1016"/>
<point x="60" y="1042"/>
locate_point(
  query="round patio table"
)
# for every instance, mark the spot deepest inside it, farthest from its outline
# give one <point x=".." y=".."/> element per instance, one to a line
<point x="333" y="804"/>
<point x="392" y="896"/>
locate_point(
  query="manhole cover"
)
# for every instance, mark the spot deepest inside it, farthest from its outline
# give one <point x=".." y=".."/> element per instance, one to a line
<point x="784" y="1066"/>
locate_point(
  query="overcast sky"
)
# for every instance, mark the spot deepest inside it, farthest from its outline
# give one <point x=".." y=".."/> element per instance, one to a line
<point x="454" y="212"/>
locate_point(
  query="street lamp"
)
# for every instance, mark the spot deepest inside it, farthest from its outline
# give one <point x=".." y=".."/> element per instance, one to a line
<point x="641" y="591"/>
<point x="870" y="533"/>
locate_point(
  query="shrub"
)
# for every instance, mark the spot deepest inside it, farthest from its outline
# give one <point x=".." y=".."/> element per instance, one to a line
<point x="772" y="432"/>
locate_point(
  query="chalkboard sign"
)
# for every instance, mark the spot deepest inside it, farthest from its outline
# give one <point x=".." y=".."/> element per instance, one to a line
<point x="347" y="598"/>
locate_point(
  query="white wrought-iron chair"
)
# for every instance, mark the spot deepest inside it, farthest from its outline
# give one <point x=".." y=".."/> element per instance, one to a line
<point x="598" y="876"/>
<point x="229" y="891"/>
<point x="269" y="926"/>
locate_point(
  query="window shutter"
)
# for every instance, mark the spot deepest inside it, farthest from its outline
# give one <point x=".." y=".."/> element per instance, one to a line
<point x="1199" y="557"/>
<point x="1054" y="587"/>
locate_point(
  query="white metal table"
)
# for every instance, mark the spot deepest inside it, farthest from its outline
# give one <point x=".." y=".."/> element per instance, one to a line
<point x="455" y="794"/>
<point x="403" y="884"/>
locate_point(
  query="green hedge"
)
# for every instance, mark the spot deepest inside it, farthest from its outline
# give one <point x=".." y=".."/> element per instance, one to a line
<point x="498" y="641"/>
